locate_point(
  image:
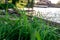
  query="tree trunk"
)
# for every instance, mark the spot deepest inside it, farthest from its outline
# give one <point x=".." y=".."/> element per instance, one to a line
<point x="6" y="3"/>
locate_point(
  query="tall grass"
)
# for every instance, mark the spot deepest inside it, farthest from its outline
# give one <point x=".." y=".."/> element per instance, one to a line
<point x="26" y="28"/>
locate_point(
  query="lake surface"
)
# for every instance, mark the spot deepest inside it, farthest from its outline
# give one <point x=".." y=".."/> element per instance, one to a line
<point x="51" y="14"/>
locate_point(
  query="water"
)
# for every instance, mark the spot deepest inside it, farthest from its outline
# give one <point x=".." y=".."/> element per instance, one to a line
<point x="51" y="14"/>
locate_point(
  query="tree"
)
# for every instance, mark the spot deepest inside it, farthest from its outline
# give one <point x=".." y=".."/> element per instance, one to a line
<point x="6" y="9"/>
<point x="6" y="3"/>
<point x="14" y="1"/>
<point x="30" y="3"/>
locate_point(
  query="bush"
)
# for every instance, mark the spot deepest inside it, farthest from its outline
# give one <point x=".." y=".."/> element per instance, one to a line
<point x="3" y="6"/>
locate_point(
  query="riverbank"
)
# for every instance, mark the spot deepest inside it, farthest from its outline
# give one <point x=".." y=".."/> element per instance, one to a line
<point x="51" y="14"/>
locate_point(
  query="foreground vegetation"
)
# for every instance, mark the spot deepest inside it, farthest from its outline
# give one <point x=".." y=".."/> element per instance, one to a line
<point x="26" y="28"/>
<point x="23" y="27"/>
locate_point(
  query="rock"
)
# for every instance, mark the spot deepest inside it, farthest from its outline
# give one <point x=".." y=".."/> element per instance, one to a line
<point x="2" y="12"/>
<point x="11" y="11"/>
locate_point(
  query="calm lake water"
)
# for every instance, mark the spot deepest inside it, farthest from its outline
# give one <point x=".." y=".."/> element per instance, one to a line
<point x="51" y="14"/>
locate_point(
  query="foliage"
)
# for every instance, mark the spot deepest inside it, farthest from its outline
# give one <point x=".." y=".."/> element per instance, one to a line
<point x="18" y="3"/>
<point x="21" y="3"/>
<point x="25" y="28"/>
<point x="3" y="6"/>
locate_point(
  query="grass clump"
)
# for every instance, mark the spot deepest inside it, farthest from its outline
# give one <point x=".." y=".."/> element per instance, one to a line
<point x="26" y="28"/>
